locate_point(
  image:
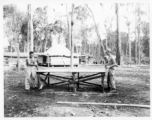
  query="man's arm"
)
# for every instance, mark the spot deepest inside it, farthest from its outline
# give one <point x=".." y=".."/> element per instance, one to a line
<point x="114" y="64"/>
<point x="36" y="63"/>
<point x="29" y="64"/>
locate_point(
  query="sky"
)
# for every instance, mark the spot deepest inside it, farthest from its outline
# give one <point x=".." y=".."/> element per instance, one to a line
<point x="100" y="13"/>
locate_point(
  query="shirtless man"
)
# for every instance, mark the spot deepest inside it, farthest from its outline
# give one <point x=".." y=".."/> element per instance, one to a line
<point x="111" y="63"/>
<point x="31" y="77"/>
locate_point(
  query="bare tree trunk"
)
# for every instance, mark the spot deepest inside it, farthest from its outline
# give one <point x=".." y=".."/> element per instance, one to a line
<point x="28" y="37"/>
<point x="126" y="49"/>
<point x="45" y="41"/>
<point x="139" y="49"/>
<point x="118" y="54"/>
<point x="11" y="40"/>
<point x="16" y="43"/>
<point x="31" y="25"/>
<point x="97" y="32"/>
<point x="67" y="12"/>
<point x="106" y="46"/>
<point x="136" y="33"/>
<point x="28" y="31"/>
<point x="71" y="24"/>
<point x="18" y="56"/>
<point x="18" y="59"/>
<point x="129" y="44"/>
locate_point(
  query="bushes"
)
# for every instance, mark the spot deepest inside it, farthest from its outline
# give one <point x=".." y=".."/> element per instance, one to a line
<point x="145" y="60"/>
<point x="127" y="61"/>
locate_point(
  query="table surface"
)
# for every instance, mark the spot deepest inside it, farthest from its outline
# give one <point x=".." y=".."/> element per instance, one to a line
<point x="70" y="70"/>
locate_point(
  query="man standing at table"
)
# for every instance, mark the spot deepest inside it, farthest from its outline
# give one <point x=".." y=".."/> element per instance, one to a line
<point x="31" y="77"/>
<point x="111" y="63"/>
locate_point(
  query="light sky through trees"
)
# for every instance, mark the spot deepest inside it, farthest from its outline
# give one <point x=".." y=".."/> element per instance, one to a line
<point x="107" y="11"/>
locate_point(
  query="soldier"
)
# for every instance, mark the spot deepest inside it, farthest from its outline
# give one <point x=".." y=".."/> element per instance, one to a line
<point x="31" y="77"/>
<point x="111" y="63"/>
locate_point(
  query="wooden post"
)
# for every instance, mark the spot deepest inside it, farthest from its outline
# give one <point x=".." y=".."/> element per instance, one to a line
<point x="38" y="82"/>
<point x="102" y="81"/>
<point x="78" y="82"/>
<point x="48" y="80"/>
<point x="48" y="60"/>
<point x="73" y="82"/>
<point x="106" y="104"/>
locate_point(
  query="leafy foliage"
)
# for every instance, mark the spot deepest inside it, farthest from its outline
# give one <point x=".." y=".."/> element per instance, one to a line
<point x="88" y="36"/>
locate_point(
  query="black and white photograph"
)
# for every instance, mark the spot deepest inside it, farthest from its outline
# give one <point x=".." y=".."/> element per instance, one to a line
<point x="76" y="59"/>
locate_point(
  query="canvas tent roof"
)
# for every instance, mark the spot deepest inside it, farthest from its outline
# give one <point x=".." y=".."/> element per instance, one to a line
<point x="58" y="49"/>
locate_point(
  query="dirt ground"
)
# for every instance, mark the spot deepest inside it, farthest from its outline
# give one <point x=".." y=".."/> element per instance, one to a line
<point x="133" y="87"/>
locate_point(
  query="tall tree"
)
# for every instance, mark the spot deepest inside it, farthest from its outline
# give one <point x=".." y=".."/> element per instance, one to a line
<point x="71" y="35"/>
<point x="16" y="19"/>
<point x="8" y="11"/>
<point x="139" y="12"/>
<point x="128" y="23"/>
<point x="46" y="29"/>
<point x="139" y="31"/>
<point x="81" y="14"/>
<point x="136" y="34"/>
<point x="41" y="29"/>
<point x="67" y="12"/>
<point x="97" y="32"/>
<point x="118" y="42"/>
<point x="28" y="28"/>
<point x="31" y="27"/>
<point x="108" y="28"/>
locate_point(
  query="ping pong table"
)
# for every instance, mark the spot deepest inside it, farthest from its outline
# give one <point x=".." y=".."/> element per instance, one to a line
<point x="75" y="80"/>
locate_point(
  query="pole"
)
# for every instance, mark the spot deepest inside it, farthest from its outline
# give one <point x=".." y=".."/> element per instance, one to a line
<point x="106" y="104"/>
<point x="71" y="24"/>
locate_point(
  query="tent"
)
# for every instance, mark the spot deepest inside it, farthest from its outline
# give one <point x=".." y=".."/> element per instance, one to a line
<point x="58" y="50"/>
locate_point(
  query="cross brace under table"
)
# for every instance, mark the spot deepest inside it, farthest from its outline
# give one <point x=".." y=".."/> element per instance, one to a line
<point x="73" y="81"/>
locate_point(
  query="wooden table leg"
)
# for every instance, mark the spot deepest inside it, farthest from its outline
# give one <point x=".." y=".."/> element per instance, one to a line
<point x="73" y="82"/>
<point x="78" y="82"/>
<point x="38" y="78"/>
<point x="48" y="80"/>
<point x="102" y="80"/>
